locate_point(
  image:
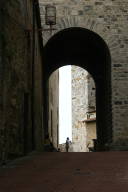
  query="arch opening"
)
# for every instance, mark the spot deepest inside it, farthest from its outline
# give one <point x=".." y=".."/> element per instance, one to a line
<point x="72" y="109"/>
<point x="86" y="49"/>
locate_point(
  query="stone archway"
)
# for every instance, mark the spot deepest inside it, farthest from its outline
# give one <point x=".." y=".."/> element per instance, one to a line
<point x="81" y="46"/>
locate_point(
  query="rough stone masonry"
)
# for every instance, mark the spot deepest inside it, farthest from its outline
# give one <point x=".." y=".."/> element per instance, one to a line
<point x="16" y="85"/>
<point x="109" y="19"/>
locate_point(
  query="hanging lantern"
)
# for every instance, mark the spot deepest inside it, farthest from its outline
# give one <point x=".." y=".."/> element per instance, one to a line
<point x="50" y="15"/>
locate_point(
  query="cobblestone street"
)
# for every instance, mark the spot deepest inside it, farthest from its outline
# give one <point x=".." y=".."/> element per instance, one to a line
<point x="66" y="172"/>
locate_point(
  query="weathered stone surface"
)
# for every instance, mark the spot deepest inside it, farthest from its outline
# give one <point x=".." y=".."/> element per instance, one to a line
<point x="108" y="19"/>
<point x="16" y="84"/>
<point x="53" y="122"/>
<point x="83" y="101"/>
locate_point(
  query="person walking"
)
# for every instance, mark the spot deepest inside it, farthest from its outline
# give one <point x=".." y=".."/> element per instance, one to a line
<point x="67" y="144"/>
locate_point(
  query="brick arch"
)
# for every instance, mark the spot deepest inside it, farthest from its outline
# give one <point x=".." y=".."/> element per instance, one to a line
<point x="85" y="48"/>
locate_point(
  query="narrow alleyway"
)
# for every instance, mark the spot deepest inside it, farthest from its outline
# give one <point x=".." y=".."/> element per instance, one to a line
<point x="67" y="172"/>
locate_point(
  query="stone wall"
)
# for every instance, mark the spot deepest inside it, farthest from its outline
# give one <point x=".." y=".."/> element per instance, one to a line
<point x="83" y="101"/>
<point x="53" y="121"/>
<point x="79" y="108"/>
<point x="107" y="18"/>
<point x="38" y="88"/>
<point x="17" y="133"/>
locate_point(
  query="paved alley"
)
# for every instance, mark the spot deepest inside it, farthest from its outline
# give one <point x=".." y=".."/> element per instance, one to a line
<point x="67" y="172"/>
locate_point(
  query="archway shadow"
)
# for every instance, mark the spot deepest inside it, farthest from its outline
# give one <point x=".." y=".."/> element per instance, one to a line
<point x="82" y="47"/>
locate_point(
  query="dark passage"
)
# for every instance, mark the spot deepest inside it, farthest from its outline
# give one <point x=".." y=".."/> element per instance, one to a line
<point x="82" y="47"/>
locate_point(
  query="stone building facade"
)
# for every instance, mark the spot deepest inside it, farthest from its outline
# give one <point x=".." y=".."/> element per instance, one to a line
<point x="79" y="108"/>
<point x="108" y="19"/>
<point x="53" y="122"/>
<point x="21" y="97"/>
<point x="83" y="105"/>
